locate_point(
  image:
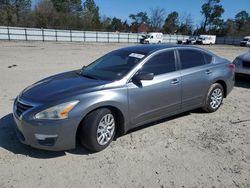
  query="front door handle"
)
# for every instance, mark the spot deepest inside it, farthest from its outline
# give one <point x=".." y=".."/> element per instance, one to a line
<point x="208" y="71"/>
<point x="175" y="81"/>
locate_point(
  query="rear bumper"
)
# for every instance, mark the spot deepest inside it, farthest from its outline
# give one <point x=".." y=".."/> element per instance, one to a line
<point x="230" y="84"/>
<point x="244" y="44"/>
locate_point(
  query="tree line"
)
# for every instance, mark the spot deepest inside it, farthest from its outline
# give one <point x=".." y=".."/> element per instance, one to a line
<point x="73" y="14"/>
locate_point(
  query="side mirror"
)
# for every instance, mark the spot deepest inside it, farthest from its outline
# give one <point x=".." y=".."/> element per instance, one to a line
<point x="144" y="76"/>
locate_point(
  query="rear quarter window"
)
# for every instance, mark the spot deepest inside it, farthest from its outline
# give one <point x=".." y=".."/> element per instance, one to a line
<point x="191" y="58"/>
<point x="208" y="58"/>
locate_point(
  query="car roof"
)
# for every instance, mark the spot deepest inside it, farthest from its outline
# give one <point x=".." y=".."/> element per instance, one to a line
<point x="150" y="48"/>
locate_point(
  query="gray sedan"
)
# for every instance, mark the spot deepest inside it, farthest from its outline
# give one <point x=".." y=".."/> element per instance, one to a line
<point x="242" y="64"/>
<point x="122" y="90"/>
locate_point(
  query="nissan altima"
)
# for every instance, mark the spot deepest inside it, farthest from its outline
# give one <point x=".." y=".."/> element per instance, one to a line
<point x="122" y="90"/>
<point x="242" y="64"/>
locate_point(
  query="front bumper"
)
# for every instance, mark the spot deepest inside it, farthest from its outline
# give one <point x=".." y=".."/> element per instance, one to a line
<point x="243" y="71"/>
<point x="240" y="69"/>
<point x="54" y="136"/>
<point x="243" y="43"/>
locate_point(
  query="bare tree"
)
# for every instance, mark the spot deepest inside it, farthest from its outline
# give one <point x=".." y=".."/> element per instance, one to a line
<point x="186" y="26"/>
<point x="157" y="18"/>
<point x="44" y="14"/>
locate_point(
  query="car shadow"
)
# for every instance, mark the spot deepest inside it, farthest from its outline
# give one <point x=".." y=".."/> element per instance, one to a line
<point x="243" y="82"/>
<point x="10" y="142"/>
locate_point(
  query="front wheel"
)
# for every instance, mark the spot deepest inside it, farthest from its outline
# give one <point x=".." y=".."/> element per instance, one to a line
<point x="214" y="98"/>
<point x="98" y="129"/>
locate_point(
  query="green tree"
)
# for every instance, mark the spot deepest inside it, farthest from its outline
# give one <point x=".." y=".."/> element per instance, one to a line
<point x="241" y="19"/>
<point x="229" y="28"/>
<point x="105" y="22"/>
<point x="212" y="12"/>
<point x="91" y="15"/>
<point x="72" y="7"/>
<point x="171" y="24"/>
<point x="138" y="19"/>
<point x="7" y="13"/>
<point x="116" y="25"/>
<point x="14" y="12"/>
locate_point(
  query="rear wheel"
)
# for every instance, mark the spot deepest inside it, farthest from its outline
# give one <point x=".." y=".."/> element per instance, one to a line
<point x="98" y="129"/>
<point x="214" y="98"/>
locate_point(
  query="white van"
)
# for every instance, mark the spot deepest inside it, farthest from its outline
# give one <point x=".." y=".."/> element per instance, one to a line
<point x="152" y="38"/>
<point x="206" y="39"/>
<point x="245" y="41"/>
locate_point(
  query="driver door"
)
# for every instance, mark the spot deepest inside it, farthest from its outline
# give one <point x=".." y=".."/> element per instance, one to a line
<point x="150" y="100"/>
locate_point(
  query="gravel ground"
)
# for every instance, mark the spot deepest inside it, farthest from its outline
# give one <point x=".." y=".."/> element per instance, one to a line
<point x="193" y="149"/>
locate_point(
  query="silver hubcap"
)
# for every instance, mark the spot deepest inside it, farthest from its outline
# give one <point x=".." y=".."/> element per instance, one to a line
<point x="216" y="98"/>
<point x="105" y="129"/>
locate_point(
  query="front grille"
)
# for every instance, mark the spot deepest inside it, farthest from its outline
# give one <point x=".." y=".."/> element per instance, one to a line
<point x="21" y="108"/>
<point x="246" y="64"/>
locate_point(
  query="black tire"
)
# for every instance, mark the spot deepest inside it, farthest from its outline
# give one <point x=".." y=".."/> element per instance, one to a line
<point x="209" y="99"/>
<point x="89" y="128"/>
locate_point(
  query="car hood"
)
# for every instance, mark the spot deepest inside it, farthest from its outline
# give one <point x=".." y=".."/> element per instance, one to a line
<point x="245" y="56"/>
<point x="61" y="86"/>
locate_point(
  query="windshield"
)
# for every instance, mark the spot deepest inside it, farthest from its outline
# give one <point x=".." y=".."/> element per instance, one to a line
<point x="245" y="39"/>
<point x="113" y="66"/>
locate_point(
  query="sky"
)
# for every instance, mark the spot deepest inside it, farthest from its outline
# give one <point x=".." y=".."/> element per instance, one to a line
<point x="122" y="8"/>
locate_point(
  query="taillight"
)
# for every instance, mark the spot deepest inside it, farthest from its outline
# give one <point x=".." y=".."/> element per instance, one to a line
<point x="231" y="67"/>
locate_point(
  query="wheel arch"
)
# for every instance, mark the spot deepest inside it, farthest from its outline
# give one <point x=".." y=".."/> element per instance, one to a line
<point x="224" y="85"/>
<point x="120" y="126"/>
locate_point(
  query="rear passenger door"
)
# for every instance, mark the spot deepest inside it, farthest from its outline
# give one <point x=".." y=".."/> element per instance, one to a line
<point x="196" y="77"/>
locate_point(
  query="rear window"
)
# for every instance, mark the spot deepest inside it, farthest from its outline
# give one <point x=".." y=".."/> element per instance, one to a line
<point x="191" y="58"/>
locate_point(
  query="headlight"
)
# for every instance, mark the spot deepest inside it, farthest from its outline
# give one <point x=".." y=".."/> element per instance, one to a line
<point x="60" y="111"/>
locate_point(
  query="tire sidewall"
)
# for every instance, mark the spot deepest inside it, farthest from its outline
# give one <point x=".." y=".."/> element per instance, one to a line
<point x="89" y="130"/>
<point x="208" y="107"/>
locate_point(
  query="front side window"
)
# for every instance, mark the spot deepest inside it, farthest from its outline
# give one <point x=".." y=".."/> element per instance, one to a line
<point x="191" y="58"/>
<point x="160" y="64"/>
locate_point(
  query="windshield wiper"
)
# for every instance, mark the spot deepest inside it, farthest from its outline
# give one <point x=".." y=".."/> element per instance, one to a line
<point x="82" y="69"/>
<point x="81" y="73"/>
<point x="89" y="76"/>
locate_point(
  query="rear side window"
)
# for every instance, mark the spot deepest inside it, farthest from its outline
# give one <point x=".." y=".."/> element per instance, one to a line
<point x="191" y="58"/>
<point x="161" y="63"/>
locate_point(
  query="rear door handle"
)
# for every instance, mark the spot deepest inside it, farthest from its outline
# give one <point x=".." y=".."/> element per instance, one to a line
<point x="175" y="81"/>
<point x="208" y="72"/>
